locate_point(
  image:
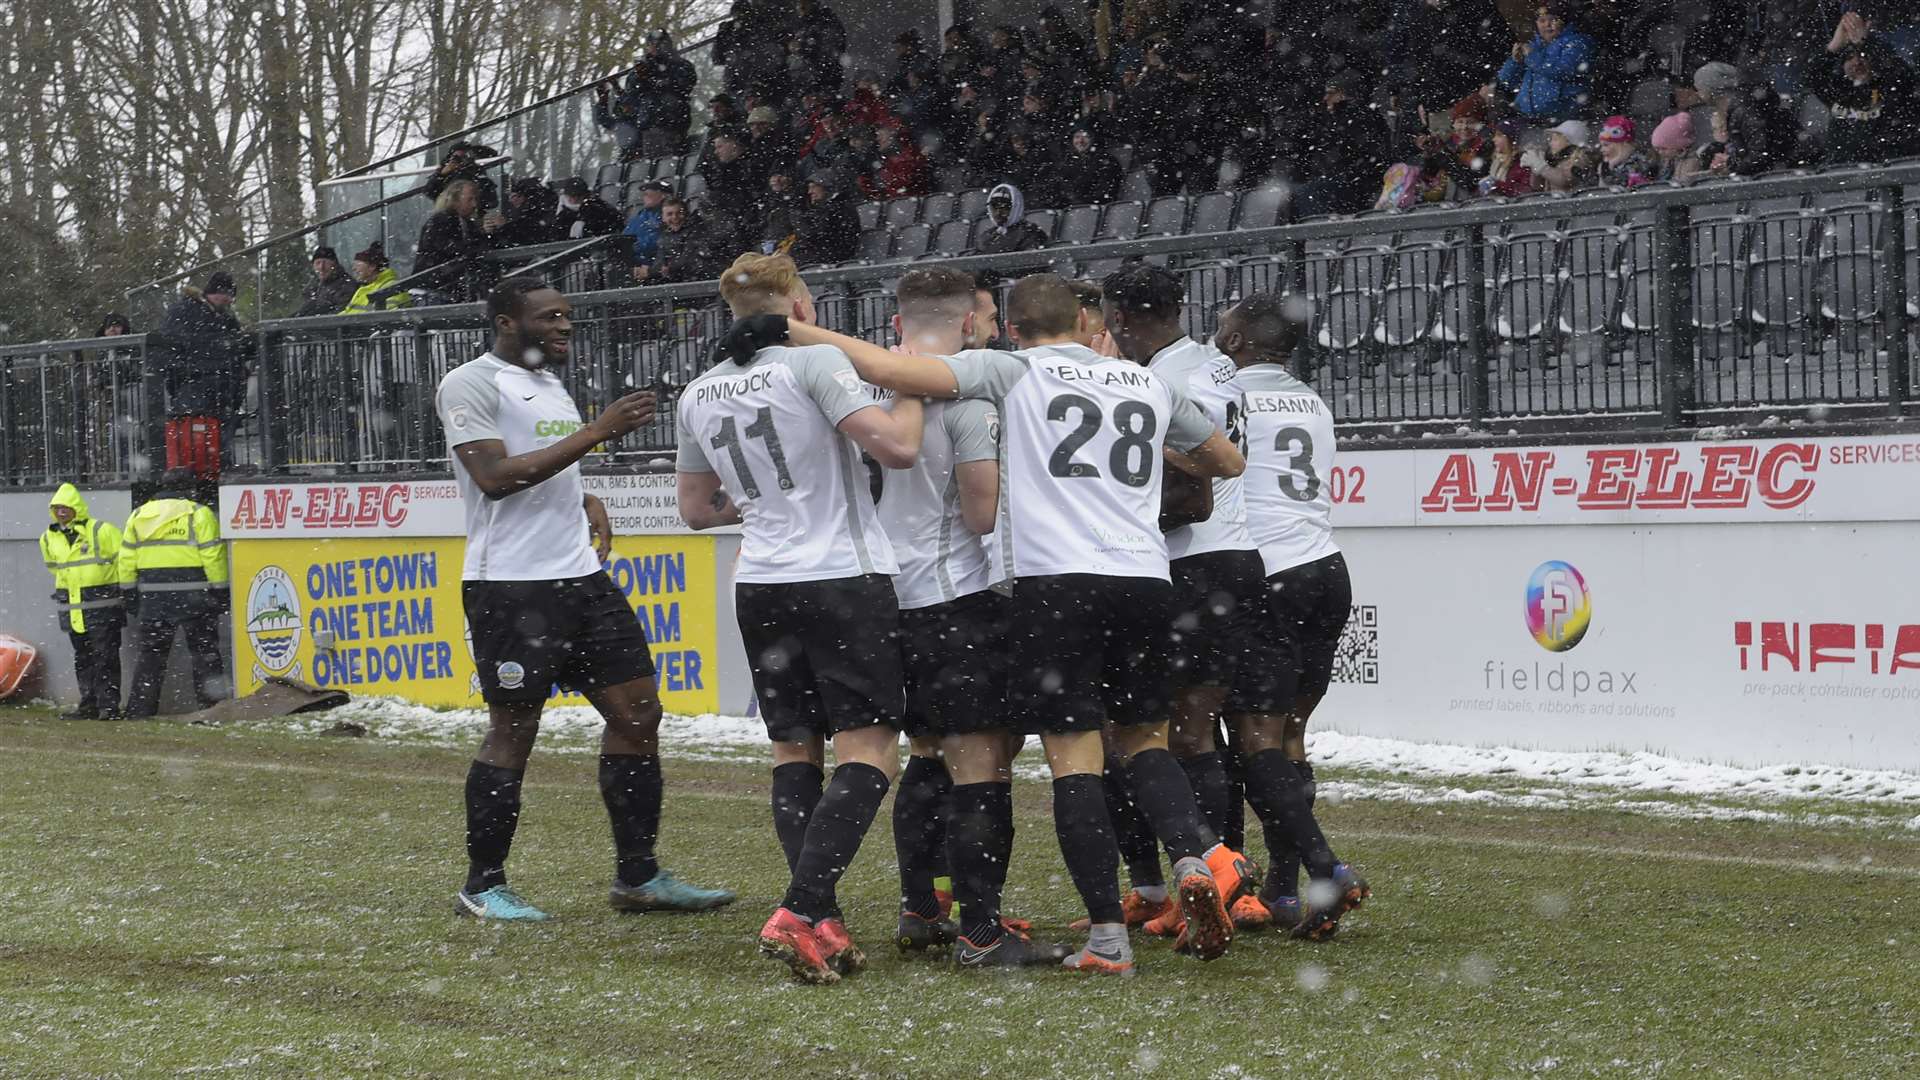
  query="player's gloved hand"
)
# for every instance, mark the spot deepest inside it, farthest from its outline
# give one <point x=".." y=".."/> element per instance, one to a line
<point x="748" y="336"/>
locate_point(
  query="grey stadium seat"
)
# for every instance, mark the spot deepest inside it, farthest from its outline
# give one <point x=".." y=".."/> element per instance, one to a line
<point x="1078" y="224"/>
<point x="938" y="209"/>
<point x="953" y="238"/>
<point x="1166" y="217"/>
<point x="902" y="212"/>
<point x="1120" y="221"/>
<point x="913" y="242"/>
<point x="875" y="245"/>
<point x="1213" y="212"/>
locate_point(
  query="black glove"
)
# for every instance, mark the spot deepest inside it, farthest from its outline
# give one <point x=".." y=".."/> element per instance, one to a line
<point x="748" y="336"/>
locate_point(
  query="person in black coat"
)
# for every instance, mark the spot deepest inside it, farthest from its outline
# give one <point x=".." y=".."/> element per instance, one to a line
<point x="455" y="237"/>
<point x="530" y="212"/>
<point x="463" y="163"/>
<point x="689" y="249"/>
<point x="828" y="227"/>
<point x="1088" y="174"/>
<point x="331" y="288"/>
<point x="1345" y="152"/>
<point x="1872" y="95"/>
<point x="1439" y="51"/>
<point x="200" y="352"/>
<point x="582" y="213"/>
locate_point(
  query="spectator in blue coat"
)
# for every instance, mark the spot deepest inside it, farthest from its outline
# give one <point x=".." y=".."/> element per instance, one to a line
<point x="644" y="227"/>
<point x="1550" y="76"/>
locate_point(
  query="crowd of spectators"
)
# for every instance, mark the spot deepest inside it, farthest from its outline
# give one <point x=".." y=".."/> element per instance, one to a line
<point x="1354" y="104"/>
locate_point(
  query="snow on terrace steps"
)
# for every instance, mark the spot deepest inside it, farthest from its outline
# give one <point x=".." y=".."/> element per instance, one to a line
<point x="1636" y="772"/>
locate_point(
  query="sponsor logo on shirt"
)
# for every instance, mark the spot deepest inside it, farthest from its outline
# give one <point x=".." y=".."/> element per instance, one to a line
<point x="556" y="428"/>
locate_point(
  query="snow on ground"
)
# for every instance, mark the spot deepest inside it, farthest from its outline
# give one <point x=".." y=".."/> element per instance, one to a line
<point x="1563" y="779"/>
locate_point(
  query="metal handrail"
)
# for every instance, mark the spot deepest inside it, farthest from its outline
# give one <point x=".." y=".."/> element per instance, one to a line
<point x="521" y="111"/>
<point x="544" y="255"/>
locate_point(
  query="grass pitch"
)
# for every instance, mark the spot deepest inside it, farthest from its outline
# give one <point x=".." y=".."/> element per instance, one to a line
<point x="252" y="903"/>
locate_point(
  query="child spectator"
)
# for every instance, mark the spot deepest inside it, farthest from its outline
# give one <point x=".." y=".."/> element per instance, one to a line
<point x="1409" y="185"/>
<point x="1567" y="164"/>
<point x="1506" y="176"/>
<point x="1672" y="145"/>
<point x="1622" y="164"/>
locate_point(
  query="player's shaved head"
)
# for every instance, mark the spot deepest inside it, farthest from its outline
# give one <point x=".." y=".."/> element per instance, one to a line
<point x="1043" y="306"/>
<point x="1263" y="327"/>
<point x="762" y="285"/>
<point x="934" y="292"/>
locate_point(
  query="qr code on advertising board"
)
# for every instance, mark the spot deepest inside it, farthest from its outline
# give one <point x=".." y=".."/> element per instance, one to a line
<point x="1357" y="658"/>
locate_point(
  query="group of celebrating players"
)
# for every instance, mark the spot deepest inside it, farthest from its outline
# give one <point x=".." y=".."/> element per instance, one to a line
<point x="1115" y="537"/>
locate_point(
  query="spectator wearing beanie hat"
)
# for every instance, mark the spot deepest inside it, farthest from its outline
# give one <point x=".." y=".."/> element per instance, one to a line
<point x="372" y="271"/>
<point x="330" y="288"/>
<point x="1467" y="143"/>
<point x="1567" y="164"/>
<point x="1763" y="131"/>
<point x="1622" y="164"/>
<point x="1672" y="138"/>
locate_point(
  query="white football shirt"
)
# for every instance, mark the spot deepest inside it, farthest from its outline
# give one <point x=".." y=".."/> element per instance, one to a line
<point x="539" y="534"/>
<point x="1208" y="377"/>
<point x="940" y="558"/>
<point x="1289" y="459"/>
<point x="769" y="429"/>
<point x="1081" y="440"/>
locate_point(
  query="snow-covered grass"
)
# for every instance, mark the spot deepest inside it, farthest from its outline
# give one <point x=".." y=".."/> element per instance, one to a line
<point x="249" y="902"/>
<point x="1353" y="767"/>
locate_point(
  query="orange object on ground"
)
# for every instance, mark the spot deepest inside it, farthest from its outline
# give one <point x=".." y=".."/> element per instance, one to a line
<point x="16" y="661"/>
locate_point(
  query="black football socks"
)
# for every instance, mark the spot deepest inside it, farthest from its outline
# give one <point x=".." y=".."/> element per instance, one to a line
<point x="919" y="832"/>
<point x="1212" y="793"/>
<point x="1138" y="847"/>
<point x="1161" y="789"/>
<point x="840" y="821"/>
<point x="796" y="791"/>
<point x="1281" y="795"/>
<point x="630" y="785"/>
<point x="493" y="811"/>
<point x="1086" y="842"/>
<point x="979" y="842"/>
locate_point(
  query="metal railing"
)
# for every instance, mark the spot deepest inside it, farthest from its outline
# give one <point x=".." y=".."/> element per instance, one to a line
<point x="77" y="410"/>
<point x="1785" y="298"/>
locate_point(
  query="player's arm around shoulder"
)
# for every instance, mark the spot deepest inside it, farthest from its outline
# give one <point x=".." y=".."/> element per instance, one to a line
<point x="828" y="376"/>
<point x="1195" y="446"/>
<point x="903" y="373"/>
<point x="973" y="429"/>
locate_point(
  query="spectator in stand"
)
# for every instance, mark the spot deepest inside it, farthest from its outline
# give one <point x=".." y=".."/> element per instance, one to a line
<point x="689" y="249"/>
<point x="1762" y="129"/>
<point x="823" y="41"/>
<point x="901" y="171"/>
<point x="772" y="147"/>
<point x="960" y="54"/>
<point x="1010" y="231"/>
<point x="1033" y="169"/>
<point x="909" y="52"/>
<point x="1566" y="164"/>
<point x="1622" y="164"/>
<point x="1001" y="81"/>
<point x="453" y="239"/>
<point x="723" y="114"/>
<point x="868" y="106"/>
<point x="583" y="213"/>
<point x="986" y="154"/>
<point x="830" y="151"/>
<point x="644" y="226"/>
<point x="374" y="273"/>
<point x="1348" y="150"/>
<point x="1061" y="48"/>
<point x="330" y="288"/>
<point x="1041" y="118"/>
<point x="200" y="354"/>
<point x="1088" y="174"/>
<point x="531" y="206"/>
<point x="1505" y="175"/>
<point x="114" y="325"/>
<point x="1716" y="153"/>
<point x="752" y="44"/>
<point x="1549" y="76"/>
<point x="828" y="226"/>
<point x="1467" y="142"/>
<point x="1440" y="50"/>
<point x="922" y="104"/>
<point x="731" y="183"/>
<point x="1406" y="186"/>
<point x="1097" y="118"/>
<point x="862" y="159"/>
<point x="1151" y="97"/>
<point x="1672" y="146"/>
<point x="778" y="211"/>
<point x="463" y="163"/>
<point x="1870" y="93"/>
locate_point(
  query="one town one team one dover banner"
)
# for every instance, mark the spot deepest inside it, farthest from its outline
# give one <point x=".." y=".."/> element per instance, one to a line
<point x="384" y="617"/>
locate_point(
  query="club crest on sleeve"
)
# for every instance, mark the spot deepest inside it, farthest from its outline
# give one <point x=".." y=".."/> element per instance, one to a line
<point x="457" y="416"/>
<point x="511" y="675"/>
<point x="849" y="381"/>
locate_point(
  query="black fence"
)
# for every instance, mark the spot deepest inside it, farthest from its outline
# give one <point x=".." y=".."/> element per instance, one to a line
<point x="1782" y="299"/>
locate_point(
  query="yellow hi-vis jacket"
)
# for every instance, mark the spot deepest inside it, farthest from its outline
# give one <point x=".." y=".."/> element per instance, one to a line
<point x="172" y="554"/>
<point x="83" y="557"/>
